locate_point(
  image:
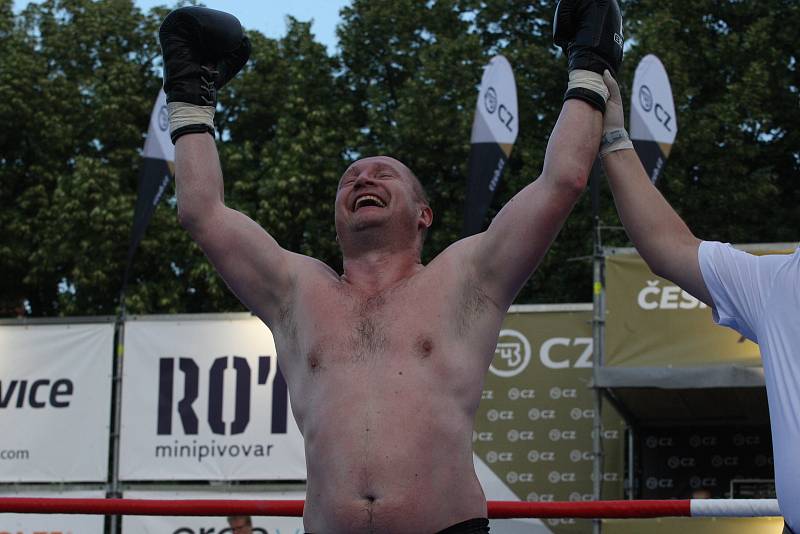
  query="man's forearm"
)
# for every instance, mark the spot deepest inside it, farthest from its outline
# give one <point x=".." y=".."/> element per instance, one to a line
<point x="651" y="223"/>
<point x="572" y="147"/>
<point x="198" y="177"/>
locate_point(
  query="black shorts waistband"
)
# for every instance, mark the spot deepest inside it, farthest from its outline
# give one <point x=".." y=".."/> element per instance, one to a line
<point x="478" y="525"/>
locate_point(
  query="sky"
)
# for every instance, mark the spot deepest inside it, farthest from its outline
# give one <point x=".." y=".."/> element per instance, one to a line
<point x="268" y="16"/>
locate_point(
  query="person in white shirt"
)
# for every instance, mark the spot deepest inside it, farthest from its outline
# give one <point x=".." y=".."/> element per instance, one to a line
<point x="758" y="296"/>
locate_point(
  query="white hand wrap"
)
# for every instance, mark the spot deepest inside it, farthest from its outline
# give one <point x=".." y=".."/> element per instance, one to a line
<point x="588" y="80"/>
<point x="614" y="140"/>
<point x="182" y="114"/>
<point x="615" y="137"/>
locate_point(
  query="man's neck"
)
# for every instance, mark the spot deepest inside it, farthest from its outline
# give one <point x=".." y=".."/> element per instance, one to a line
<point x="376" y="271"/>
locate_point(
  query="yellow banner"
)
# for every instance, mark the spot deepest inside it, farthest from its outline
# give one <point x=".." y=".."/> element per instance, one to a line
<point x="694" y="525"/>
<point x="651" y="322"/>
<point x="533" y="428"/>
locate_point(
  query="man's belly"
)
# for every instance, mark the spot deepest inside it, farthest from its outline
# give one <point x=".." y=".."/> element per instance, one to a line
<point x="390" y="465"/>
<point x="389" y="515"/>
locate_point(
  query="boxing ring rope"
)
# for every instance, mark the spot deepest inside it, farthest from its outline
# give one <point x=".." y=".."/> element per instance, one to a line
<point x="497" y="509"/>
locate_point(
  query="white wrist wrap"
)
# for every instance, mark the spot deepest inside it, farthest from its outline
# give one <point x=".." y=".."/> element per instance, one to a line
<point x="182" y="114"/>
<point x="588" y="80"/>
<point x="614" y="140"/>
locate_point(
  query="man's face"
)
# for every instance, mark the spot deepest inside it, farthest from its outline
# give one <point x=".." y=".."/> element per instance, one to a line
<point x="239" y="525"/>
<point x="373" y="191"/>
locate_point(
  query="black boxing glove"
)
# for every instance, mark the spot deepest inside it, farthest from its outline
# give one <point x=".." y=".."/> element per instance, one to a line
<point x="590" y="33"/>
<point x="203" y="49"/>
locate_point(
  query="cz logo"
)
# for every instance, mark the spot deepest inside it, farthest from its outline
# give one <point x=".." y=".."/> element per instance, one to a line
<point x="563" y="393"/>
<point x="655" y="442"/>
<point x="514" y="354"/>
<point x="649" y="104"/>
<point x="584" y="361"/>
<point x="556" y="477"/>
<point x="505" y="116"/>
<point x="482" y="436"/>
<point x="163" y="118"/>
<point x="191" y="385"/>
<point x="653" y="483"/>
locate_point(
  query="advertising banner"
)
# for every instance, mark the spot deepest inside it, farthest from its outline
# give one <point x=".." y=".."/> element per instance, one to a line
<point x="133" y="524"/>
<point x="494" y="130"/>
<point x="55" y="402"/>
<point x="203" y="398"/>
<point x="653" y="122"/>
<point x="695" y="525"/>
<point x="496" y="489"/>
<point x="533" y="428"/>
<point x="701" y="462"/>
<point x="652" y="322"/>
<point x="53" y="523"/>
<point x="155" y="175"/>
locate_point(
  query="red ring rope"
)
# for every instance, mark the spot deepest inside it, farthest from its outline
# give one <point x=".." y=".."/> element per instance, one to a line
<point x="596" y="509"/>
<point x="294" y="508"/>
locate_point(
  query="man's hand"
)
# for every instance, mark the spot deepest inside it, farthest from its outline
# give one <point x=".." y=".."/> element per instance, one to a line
<point x="615" y="137"/>
<point x="590" y="33"/>
<point x="203" y="49"/>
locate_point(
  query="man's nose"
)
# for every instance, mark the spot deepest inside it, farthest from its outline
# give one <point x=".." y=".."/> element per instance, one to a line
<point x="363" y="179"/>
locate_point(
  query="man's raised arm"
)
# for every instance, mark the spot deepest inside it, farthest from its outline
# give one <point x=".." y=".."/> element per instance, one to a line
<point x="590" y="33"/>
<point x="659" y="234"/>
<point x="203" y="49"/>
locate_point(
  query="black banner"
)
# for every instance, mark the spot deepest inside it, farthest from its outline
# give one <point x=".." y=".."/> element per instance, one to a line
<point x="486" y="164"/>
<point x="701" y="462"/>
<point x="494" y="130"/>
<point x="154" y="178"/>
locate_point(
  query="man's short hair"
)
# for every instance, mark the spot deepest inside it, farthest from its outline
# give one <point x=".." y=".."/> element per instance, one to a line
<point x="422" y="196"/>
<point x="419" y="189"/>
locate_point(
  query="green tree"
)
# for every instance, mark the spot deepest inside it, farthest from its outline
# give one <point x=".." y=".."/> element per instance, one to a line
<point x="734" y="75"/>
<point x="78" y="79"/>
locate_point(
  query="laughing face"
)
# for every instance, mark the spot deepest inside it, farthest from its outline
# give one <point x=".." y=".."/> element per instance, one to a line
<point x="379" y="197"/>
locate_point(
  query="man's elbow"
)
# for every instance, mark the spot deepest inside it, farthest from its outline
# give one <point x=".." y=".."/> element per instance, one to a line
<point x="192" y="219"/>
<point x="186" y="218"/>
<point x="572" y="180"/>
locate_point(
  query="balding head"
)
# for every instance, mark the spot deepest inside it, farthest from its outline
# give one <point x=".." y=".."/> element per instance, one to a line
<point x="397" y="165"/>
<point x="380" y="202"/>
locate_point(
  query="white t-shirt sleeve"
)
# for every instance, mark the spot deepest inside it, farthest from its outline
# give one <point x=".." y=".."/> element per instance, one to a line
<point x="736" y="285"/>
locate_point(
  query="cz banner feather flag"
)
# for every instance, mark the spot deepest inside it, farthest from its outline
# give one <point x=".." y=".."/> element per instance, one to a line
<point x="494" y="131"/>
<point x="653" y="122"/>
<point x="157" y="170"/>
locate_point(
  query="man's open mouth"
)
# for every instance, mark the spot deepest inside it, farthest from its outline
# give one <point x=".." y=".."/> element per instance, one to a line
<point x="368" y="200"/>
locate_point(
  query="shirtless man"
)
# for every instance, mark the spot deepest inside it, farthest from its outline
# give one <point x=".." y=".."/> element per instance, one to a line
<point x="385" y="363"/>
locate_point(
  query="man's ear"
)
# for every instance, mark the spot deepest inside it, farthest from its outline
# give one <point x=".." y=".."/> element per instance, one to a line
<point x="426" y="216"/>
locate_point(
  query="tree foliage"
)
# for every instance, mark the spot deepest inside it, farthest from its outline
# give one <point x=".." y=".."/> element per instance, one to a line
<point x="78" y="79"/>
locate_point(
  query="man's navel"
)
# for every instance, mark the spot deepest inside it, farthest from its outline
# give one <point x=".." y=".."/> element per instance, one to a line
<point x="424" y="346"/>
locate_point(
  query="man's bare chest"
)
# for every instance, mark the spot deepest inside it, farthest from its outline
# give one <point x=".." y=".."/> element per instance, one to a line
<point x="428" y="321"/>
<point x="344" y="327"/>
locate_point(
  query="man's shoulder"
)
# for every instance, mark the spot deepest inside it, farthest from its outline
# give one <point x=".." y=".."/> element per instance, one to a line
<point x="307" y="268"/>
<point x="457" y="252"/>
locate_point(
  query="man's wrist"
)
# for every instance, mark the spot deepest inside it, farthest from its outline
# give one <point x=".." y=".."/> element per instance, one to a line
<point x="185" y="118"/>
<point x="588" y="86"/>
<point x="613" y="140"/>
